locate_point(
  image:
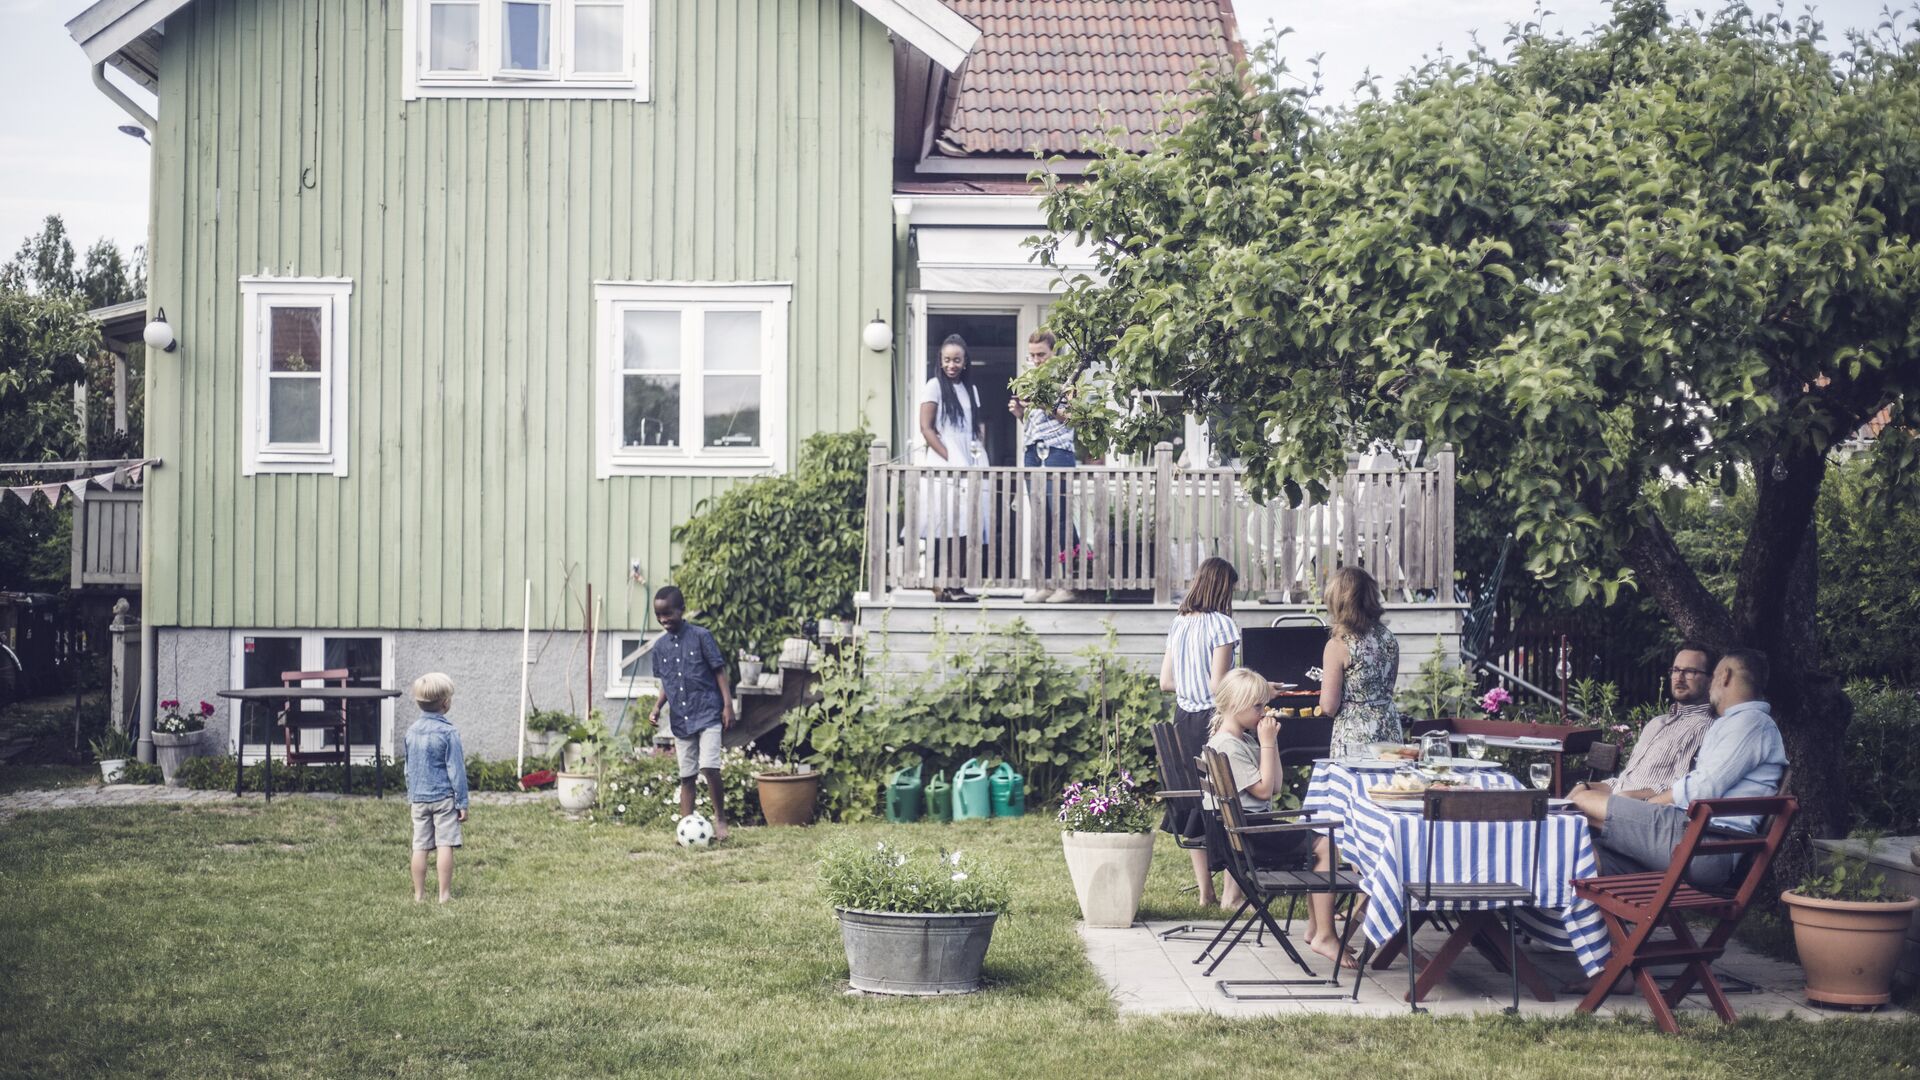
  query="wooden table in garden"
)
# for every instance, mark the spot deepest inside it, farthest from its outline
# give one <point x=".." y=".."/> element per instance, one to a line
<point x="288" y="696"/>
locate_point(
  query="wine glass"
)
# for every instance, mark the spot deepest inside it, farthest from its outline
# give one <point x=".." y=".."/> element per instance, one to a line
<point x="1541" y="773"/>
<point x="1477" y="747"/>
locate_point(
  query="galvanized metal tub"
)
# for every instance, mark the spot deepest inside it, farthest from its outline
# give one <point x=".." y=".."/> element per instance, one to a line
<point x="916" y="953"/>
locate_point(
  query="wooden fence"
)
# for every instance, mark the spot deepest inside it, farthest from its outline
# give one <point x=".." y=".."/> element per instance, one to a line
<point x="1147" y="529"/>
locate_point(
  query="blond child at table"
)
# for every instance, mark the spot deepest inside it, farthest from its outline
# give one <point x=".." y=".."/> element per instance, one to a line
<point x="1247" y="735"/>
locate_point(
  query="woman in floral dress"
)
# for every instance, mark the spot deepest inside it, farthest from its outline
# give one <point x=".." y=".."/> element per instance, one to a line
<point x="1360" y="665"/>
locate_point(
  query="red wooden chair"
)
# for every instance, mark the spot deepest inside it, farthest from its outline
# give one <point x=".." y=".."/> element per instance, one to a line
<point x="332" y="716"/>
<point x="1635" y="905"/>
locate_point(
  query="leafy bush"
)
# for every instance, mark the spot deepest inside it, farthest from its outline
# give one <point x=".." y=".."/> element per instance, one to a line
<point x="215" y="773"/>
<point x="883" y="878"/>
<point x="1002" y="697"/>
<point x="645" y="790"/>
<point x="139" y="772"/>
<point x="1883" y="756"/>
<point x="1439" y="689"/>
<point x="767" y="554"/>
<point x="550" y="720"/>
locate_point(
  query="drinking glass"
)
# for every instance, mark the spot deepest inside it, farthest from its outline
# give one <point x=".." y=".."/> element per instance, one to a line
<point x="1541" y="773"/>
<point x="1476" y="747"/>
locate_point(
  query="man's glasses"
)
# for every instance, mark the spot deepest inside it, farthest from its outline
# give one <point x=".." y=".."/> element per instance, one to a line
<point x="1691" y="671"/>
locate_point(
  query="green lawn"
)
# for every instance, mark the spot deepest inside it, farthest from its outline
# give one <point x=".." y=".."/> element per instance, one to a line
<point x="257" y="942"/>
<point x="40" y="777"/>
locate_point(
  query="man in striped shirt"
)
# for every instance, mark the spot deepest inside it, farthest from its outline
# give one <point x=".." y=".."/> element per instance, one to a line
<point x="1664" y="752"/>
<point x="1048" y="444"/>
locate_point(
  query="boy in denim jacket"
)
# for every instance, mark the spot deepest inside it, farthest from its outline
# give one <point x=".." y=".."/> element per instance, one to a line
<point x="436" y="783"/>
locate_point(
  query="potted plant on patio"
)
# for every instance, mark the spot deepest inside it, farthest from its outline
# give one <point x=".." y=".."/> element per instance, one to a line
<point x="789" y="793"/>
<point x="579" y="775"/>
<point x="1107" y="833"/>
<point x="1849" y="927"/>
<point x="912" y="923"/>
<point x="111" y="750"/>
<point x="177" y="733"/>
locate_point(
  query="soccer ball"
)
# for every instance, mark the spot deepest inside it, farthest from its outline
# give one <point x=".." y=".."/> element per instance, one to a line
<point x="694" y="831"/>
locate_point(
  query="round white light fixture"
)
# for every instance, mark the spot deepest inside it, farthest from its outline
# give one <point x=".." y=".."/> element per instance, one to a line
<point x="158" y="335"/>
<point x="878" y="336"/>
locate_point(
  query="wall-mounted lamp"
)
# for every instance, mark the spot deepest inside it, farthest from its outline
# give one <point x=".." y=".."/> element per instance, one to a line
<point x="158" y="335"/>
<point x="878" y="336"/>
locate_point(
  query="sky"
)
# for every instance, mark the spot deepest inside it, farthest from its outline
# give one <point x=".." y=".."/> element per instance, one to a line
<point x="60" y="151"/>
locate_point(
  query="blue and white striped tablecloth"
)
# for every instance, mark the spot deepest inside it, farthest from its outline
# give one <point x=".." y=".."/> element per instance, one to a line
<point x="1386" y="846"/>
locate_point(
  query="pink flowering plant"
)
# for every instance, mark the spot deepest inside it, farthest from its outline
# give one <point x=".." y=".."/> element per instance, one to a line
<point x="1495" y="700"/>
<point x="1114" y="805"/>
<point x="177" y="720"/>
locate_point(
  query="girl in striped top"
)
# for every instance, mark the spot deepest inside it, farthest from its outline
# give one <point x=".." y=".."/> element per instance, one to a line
<point x="1199" y="654"/>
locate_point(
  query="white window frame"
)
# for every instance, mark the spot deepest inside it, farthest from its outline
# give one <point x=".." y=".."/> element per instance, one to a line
<point x="611" y="300"/>
<point x="493" y="80"/>
<point x="619" y="643"/>
<point x="312" y="658"/>
<point x="258" y="295"/>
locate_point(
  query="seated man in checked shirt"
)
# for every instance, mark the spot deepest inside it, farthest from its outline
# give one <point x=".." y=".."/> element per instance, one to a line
<point x="1741" y="756"/>
<point x="1664" y="752"/>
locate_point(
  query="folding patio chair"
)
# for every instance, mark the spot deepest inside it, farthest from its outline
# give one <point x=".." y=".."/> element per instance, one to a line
<point x="1635" y="905"/>
<point x="1180" y="794"/>
<point x="1476" y="903"/>
<point x="1230" y="827"/>
<point x="1601" y="762"/>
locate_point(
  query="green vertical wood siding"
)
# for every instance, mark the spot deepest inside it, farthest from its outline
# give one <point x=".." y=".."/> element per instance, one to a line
<point x="473" y="231"/>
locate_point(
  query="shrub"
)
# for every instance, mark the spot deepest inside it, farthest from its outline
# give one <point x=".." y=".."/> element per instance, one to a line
<point x="1883" y="756"/>
<point x="645" y="790"/>
<point x="767" y="554"/>
<point x="884" y="878"/>
<point x="215" y="773"/>
<point x="1439" y="689"/>
<point x="139" y="772"/>
<point x="1001" y="696"/>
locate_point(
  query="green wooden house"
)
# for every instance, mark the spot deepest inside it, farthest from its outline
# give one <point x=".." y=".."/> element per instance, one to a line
<point x="474" y="300"/>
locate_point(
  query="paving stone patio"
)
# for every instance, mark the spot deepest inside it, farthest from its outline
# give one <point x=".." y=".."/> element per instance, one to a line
<point x="1149" y="976"/>
<point x="140" y="794"/>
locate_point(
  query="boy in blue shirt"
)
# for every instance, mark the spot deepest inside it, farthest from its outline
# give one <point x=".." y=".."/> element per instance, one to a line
<point x="693" y="688"/>
<point x="436" y="783"/>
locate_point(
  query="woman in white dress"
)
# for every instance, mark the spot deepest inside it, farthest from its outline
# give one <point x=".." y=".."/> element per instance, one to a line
<point x="950" y="425"/>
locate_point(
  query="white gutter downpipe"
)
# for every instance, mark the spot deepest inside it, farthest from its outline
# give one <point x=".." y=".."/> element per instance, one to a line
<point x="120" y="98"/>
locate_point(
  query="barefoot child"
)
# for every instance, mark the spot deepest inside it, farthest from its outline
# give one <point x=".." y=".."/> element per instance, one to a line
<point x="693" y="688"/>
<point x="1240" y="718"/>
<point x="436" y="783"/>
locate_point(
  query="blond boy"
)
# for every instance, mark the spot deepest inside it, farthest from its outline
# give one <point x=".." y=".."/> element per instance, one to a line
<point x="436" y="783"/>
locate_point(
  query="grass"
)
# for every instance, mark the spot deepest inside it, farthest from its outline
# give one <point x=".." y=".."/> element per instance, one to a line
<point x="38" y="777"/>
<point x="268" y="942"/>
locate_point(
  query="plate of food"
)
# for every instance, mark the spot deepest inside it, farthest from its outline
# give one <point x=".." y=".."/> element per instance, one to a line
<point x="1404" y="789"/>
<point x="1395" y="752"/>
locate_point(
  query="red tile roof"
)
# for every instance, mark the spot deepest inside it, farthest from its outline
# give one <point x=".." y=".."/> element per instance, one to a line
<point x="1053" y="74"/>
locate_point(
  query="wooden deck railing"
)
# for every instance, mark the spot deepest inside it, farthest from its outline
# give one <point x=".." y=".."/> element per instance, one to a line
<point x="1149" y="528"/>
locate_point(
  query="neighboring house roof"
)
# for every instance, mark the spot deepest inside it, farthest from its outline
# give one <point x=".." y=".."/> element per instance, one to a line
<point x="1054" y="75"/>
<point x="123" y="32"/>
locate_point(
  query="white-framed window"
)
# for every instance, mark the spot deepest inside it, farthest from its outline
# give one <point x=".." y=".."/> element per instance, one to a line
<point x="260" y="657"/>
<point x="692" y="379"/>
<point x="630" y="666"/>
<point x="527" y="48"/>
<point x="293" y="360"/>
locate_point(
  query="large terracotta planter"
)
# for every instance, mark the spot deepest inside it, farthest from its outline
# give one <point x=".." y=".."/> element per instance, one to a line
<point x="788" y="799"/>
<point x="1849" y="948"/>
<point x="1109" y="873"/>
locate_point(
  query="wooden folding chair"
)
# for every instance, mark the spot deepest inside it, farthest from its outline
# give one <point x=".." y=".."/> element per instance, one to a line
<point x="1262" y="885"/>
<point x="1635" y="905"/>
<point x="1602" y="761"/>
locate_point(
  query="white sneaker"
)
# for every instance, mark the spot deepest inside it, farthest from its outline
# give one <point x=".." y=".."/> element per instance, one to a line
<point x="1063" y="596"/>
<point x="1033" y="596"/>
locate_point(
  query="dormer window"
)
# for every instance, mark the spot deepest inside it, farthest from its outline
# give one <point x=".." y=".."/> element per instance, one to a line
<point x="528" y="48"/>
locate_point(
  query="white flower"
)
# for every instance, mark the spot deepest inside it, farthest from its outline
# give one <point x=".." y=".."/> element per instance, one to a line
<point x="899" y="860"/>
<point x="954" y="858"/>
<point x="620" y="809"/>
<point x="881" y="846"/>
<point x="959" y="875"/>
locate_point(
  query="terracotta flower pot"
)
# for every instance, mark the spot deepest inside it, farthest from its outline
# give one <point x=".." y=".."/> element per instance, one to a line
<point x="787" y="799"/>
<point x="1109" y="873"/>
<point x="1849" y="948"/>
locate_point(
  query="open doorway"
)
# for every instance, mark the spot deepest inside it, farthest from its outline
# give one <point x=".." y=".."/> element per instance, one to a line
<point x="993" y="357"/>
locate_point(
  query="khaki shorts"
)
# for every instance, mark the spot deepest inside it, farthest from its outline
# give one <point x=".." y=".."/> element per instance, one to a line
<point x="435" y="824"/>
<point x="698" y="751"/>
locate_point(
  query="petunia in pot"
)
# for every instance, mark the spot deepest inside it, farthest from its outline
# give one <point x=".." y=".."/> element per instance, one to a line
<point x="1106" y="829"/>
<point x="913" y="922"/>
<point x="178" y="734"/>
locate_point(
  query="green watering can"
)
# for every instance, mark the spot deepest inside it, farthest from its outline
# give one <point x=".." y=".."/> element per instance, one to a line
<point x="1009" y="792"/>
<point x="904" y="793"/>
<point x="972" y="796"/>
<point x="939" y="798"/>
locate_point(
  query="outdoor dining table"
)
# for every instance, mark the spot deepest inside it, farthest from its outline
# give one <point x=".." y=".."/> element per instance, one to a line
<point x="1386" y="847"/>
<point x="289" y="695"/>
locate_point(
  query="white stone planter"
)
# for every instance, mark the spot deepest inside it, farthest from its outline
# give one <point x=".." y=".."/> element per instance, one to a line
<point x="1109" y="873"/>
<point x="576" y="790"/>
<point x="171" y="751"/>
<point x="110" y="769"/>
<point x="542" y="743"/>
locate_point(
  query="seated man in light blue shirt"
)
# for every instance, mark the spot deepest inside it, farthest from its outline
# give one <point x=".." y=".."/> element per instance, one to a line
<point x="1741" y="756"/>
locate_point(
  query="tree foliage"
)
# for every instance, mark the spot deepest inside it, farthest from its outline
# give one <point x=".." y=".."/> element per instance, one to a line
<point x="769" y="553"/>
<point x="1664" y="252"/>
